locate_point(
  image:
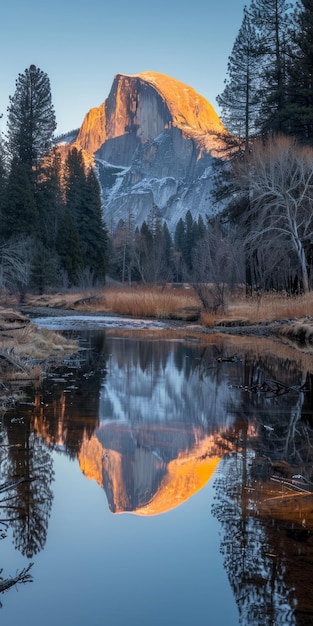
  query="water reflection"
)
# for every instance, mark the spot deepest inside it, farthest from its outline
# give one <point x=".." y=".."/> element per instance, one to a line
<point x="158" y="439"/>
<point x="152" y="422"/>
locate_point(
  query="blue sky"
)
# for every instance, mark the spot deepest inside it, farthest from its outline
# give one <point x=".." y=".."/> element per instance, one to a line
<point x="82" y="45"/>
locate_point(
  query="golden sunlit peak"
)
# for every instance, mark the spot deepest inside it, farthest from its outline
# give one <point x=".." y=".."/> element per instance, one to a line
<point x="188" y="108"/>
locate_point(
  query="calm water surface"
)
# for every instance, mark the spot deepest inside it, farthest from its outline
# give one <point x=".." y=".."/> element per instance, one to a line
<point x="160" y="481"/>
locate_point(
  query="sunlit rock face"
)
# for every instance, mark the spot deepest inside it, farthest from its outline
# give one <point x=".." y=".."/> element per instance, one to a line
<point x="154" y="140"/>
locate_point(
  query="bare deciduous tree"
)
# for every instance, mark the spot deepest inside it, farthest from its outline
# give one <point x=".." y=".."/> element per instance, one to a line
<point x="278" y="175"/>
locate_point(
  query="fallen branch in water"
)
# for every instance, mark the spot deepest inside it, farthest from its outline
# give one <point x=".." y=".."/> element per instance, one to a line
<point x="287" y="496"/>
<point x="22" y="577"/>
<point x="274" y="387"/>
<point x="292" y="485"/>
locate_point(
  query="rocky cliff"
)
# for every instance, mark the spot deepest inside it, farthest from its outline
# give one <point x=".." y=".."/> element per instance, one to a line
<point x="153" y="140"/>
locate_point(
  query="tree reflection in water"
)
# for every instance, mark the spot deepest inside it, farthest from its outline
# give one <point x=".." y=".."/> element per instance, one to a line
<point x="256" y="574"/>
<point x="29" y="464"/>
<point x="134" y="413"/>
<point x="28" y="435"/>
<point x="264" y="496"/>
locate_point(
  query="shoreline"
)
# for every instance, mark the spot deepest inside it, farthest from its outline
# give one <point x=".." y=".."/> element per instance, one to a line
<point x="276" y="328"/>
<point x="20" y="362"/>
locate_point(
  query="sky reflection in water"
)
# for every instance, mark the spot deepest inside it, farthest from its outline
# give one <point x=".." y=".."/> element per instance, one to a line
<point x="140" y="429"/>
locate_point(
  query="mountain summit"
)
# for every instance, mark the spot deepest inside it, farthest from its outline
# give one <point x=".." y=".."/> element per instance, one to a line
<point x="153" y="141"/>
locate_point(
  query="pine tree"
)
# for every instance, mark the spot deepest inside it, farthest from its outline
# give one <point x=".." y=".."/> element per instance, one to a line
<point x="67" y="246"/>
<point x="144" y="243"/>
<point x="239" y="101"/>
<point x="72" y="255"/>
<point x="299" y="105"/>
<point x="21" y="217"/>
<point x="75" y="184"/>
<point x="189" y="240"/>
<point x="124" y="250"/>
<point x="83" y="200"/>
<point x="31" y="124"/>
<point x="201" y="231"/>
<point x="31" y="118"/>
<point x="160" y="253"/>
<point x="179" y="236"/>
<point x="167" y="249"/>
<point x="49" y="198"/>
<point x="3" y="185"/>
<point x="94" y="239"/>
<point x="272" y="20"/>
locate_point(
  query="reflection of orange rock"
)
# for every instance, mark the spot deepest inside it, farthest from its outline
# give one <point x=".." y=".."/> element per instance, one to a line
<point x="186" y="475"/>
<point x="90" y="459"/>
<point x="183" y="476"/>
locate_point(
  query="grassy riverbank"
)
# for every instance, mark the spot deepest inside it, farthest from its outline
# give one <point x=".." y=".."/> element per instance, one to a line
<point x="292" y="316"/>
<point x="26" y="353"/>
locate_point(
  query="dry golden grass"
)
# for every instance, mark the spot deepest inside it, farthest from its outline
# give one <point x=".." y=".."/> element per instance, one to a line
<point x="300" y="330"/>
<point x="150" y="302"/>
<point x="162" y="302"/>
<point x="265" y="309"/>
<point x="39" y="343"/>
<point x="182" y="303"/>
<point x="22" y="345"/>
<point x="139" y="301"/>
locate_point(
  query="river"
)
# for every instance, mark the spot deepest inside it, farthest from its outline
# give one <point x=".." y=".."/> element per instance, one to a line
<point x="160" y="478"/>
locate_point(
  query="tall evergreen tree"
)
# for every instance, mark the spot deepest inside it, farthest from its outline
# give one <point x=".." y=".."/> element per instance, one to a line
<point x="3" y="183"/>
<point x="153" y="252"/>
<point x="167" y="248"/>
<point x="75" y="183"/>
<point x="94" y="241"/>
<point x="143" y="252"/>
<point x="271" y="18"/>
<point x="30" y="127"/>
<point x="21" y="216"/>
<point x="67" y="246"/>
<point x="180" y="236"/>
<point x="31" y="118"/>
<point x="83" y="200"/>
<point x="72" y="255"/>
<point x="201" y="228"/>
<point x="189" y="240"/>
<point x="49" y="198"/>
<point x="124" y="250"/>
<point x="299" y="105"/>
<point x="239" y="101"/>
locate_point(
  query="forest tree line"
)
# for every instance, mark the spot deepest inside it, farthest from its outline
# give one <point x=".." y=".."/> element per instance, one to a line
<point x="266" y="182"/>
<point x="52" y="232"/>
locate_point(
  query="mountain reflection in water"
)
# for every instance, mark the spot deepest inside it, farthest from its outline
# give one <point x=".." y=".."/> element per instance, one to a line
<point x="151" y="421"/>
<point x="157" y="437"/>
